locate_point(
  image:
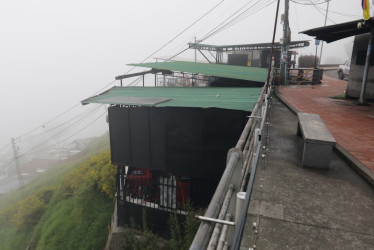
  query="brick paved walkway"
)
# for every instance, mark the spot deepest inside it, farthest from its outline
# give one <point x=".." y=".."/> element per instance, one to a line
<point x="350" y="124"/>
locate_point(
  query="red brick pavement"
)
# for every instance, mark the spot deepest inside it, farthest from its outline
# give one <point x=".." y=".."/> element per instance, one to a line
<point x="350" y="124"/>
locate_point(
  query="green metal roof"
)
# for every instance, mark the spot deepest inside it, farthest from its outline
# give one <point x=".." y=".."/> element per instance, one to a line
<point x="204" y="97"/>
<point x="211" y="69"/>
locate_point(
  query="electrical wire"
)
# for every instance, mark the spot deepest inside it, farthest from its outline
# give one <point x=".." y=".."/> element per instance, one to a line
<point x="246" y="13"/>
<point x="58" y="126"/>
<point x="170" y="41"/>
<point x="62" y="131"/>
<point x="297" y="21"/>
<point x="216" y="27"/>
<point x="5" y="146"/>
<point x="9" y="163"/>
<point x="250" y="13"/>
<point x="308" y="2"/>
<point x="234" y="20"/>
<point x="323" y="9"/>
<point x="180" y="52"/>
<point x="342" y="14"/>
<point x="323" y="14"/>
<point x="67" y="138"/>
<point x="180" y="33"/>
<point x="63" y="113"/>
<point x="222" y="26"/>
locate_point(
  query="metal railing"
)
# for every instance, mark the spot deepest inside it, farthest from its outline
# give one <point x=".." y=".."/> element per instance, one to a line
<point x="217" y="231"/>
<point x="303" y="75"/>
<point x="162" y="191"/>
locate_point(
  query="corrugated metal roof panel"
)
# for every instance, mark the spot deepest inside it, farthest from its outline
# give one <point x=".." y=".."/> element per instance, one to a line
<point x="211" y="69"/>
<point x="204" y="97"/>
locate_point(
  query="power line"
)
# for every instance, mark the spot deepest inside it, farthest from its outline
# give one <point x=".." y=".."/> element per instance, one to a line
<point x="180" y="33"/>
<point x="62" y="131"/>
<point x="58" y="126"/>
<point x="246" y="13"/>
<point x="67" y="138"/>
<point x="297" y="20"/>
<point x="180" y="52"/>
<point x="5" y="146"/>
<point x="48" y="121"/>
<point x="78" y="104"/>
<point x="215" y="28"/>
<point x="308" y="2"/>
<point x="63" y="113"/>
<point x="341" y="14"/>
<point x="10" y="163"/>
<point x="257" y="6"/>
<point x="318" y="9"/>
<point x="239" y="19"/>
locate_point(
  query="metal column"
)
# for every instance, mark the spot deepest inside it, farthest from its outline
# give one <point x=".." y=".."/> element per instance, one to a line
<point x="361" y="100"/>
<point x="284" y="49"/>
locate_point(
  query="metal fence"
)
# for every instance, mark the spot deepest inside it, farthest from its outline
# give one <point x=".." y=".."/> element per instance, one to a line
<point x="162" y="191"/>
<point x="303" y="75"/>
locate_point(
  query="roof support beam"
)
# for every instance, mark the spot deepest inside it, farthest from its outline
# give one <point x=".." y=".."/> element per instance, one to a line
<point x="204" y="56"/>
<point x="152" y="71"/>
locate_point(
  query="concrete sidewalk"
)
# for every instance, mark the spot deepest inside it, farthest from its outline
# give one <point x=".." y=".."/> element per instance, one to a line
<point x="294" y="207"/>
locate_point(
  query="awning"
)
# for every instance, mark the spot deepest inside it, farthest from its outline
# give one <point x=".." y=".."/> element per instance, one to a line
<point x="203" y="97"/>
<point x="210" y="69"/>
<point x="336" y="32"/>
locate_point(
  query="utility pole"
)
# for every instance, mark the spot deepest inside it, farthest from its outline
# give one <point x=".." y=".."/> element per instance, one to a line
<point x="320" y="53"/>
<point x="18" y="167"/>
<point x="285" y="44"/>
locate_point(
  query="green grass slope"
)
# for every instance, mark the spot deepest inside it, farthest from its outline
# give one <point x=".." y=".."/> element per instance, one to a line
<point x="67" y="207"/>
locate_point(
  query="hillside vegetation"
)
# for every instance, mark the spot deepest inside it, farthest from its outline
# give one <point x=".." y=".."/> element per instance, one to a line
<point x="67" y="207"/>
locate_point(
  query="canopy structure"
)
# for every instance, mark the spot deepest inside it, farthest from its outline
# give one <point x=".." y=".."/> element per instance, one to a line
<point x="336" y="32"/>
<point x="203" y="97"/>
<point x="210" y="69"/>
<point x="246" y="47"/>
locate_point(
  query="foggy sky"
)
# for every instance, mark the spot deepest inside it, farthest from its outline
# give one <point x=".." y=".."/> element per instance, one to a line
<point x="56" y="53"/>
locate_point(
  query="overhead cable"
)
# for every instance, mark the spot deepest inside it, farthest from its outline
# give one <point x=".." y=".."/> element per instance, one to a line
<point x="67" y="138"/>
<point x="180" y="33"/>
<point x="62" y="131"/>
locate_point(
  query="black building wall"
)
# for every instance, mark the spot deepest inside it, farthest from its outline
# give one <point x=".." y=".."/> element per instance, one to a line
<point x="184" y="141"/>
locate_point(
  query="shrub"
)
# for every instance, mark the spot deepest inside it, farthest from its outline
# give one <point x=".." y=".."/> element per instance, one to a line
<point x="97" y="173"/>
<point x="29" y="211"/>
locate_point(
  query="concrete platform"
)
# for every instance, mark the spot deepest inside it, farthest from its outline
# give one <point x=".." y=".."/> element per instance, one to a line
<point x="302" y="208"/>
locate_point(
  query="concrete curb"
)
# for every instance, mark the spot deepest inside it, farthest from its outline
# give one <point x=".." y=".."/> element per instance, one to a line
<point x="356" y="165"/>
<point x="353" y="162"/>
